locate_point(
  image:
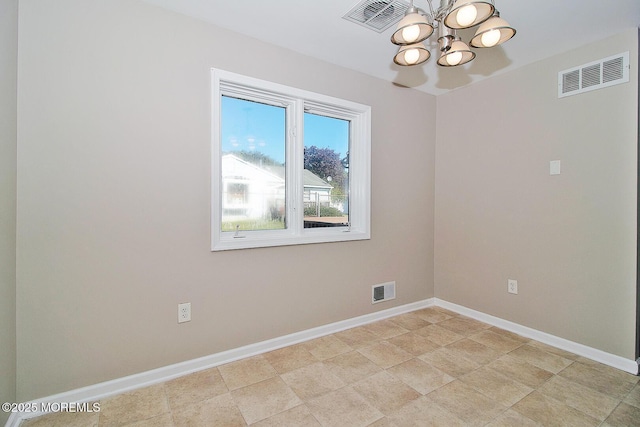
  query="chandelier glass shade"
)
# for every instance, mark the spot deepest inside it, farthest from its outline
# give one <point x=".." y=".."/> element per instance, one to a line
<point x="417" y="26"/>
<point x="492" y="32"/>
<point x="413" y="28"/>
<point x="412" y="54"/>
<point x="467" y="13"/>
<point x="458" y="54"/>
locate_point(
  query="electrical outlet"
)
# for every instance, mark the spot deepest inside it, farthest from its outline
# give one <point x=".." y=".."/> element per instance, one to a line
<point x="184" y="312"/>
<point x="512" y="286"/>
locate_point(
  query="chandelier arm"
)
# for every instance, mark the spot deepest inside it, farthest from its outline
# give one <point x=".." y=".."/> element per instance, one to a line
<point x="433" y="14"/>
<point x="429" y="17"/>
<point x="443" y="10"/>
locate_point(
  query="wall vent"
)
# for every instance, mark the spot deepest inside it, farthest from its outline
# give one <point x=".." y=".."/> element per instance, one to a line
<point x="377" y="15"/>
<point x="383" y="292"/>
<point x="606" y="72"/>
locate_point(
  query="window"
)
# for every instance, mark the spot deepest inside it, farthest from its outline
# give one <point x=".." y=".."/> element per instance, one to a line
<point x="288" y="166"/>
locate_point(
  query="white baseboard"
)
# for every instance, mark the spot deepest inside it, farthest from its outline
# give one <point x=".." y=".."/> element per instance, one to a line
<point x="121" y="385"/>
<point x="609" y="359"/>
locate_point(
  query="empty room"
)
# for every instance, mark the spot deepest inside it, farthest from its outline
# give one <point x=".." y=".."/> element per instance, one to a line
<point x="327" y="213"/>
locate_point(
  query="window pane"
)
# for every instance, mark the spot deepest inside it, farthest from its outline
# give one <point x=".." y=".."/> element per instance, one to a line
<point x="253" y="165"/>
<point x="258" y="126"/>
<point x="326" y="171"/>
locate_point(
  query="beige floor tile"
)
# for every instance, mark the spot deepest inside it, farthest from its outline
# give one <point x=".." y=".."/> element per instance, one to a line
<point x="312" y="380"/>
<point x="300" y="416"/>
<point x="385" y="354"/>
<point x="554" y="350"/>
<point x="580" y="397"/>
<point x="165" y="420"/>
<point x="343" y="407"/>
<point x="352" y="367"/>
<point x="410" y="321"/>
<point x="133" y="406"/>
<point x="471" y="406"/>
<point x="246" y="372"/>
<point x="432" y="315"/>
<point x="463" y="325"/>
<point x="324" y="348"/>
<point x="358" y="337"/>
<point x="496" y="341"/>
<point x="383" y="422"/>
<point x="420" y="375"/>
<point x="450" y="362"/>
<point x="385" y="392"/>
<point x="290" y="358"/>
<point x="521" y="371"/>
<point x="498" y="387"/>
<point x="195" y="387"/>
<point x="428" y="367"/>
<point x="541" y="359"/>
<point x="509" y="334"/>
<point x="445" y="311"/>
<point x="624" y="416"/>
<point x="414" y="343"/>
<point x="64" y="419"/>
<point x="475" y="351"/>
<point x="424" y="412"/>
<point x="601" y="367"/>
<point x="512" y="418"/>
<point x="550" y="412"/>
<point x="616" y="385"/>
<point x="439" y="335"/>
<point x="265" y="399"/>
<point x="614" y="373"/>
<point x="385" y="329"/>
<point x="218" y="411"/>
<point x="633" y="398"/>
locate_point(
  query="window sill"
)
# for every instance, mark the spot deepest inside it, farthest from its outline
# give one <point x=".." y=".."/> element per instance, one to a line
<point x="318" y="235"/>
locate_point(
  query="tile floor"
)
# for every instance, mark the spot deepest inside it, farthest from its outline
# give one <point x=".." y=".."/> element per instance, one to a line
<point x="428" y="367"/>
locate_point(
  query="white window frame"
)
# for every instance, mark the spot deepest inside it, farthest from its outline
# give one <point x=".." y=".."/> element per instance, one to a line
<point x="297" y="102"/>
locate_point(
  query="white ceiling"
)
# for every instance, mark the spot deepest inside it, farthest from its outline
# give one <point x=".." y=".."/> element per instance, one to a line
<point x="316" y="28"/>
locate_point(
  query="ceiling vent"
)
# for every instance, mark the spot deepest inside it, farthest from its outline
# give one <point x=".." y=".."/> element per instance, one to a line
<point x="377" y="15"/>
<point x="594" y="75"/>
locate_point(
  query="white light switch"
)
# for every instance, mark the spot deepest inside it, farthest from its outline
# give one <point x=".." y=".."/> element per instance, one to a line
<point x="554" y="167"/>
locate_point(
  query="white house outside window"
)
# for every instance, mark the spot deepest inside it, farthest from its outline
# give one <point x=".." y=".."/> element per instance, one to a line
<point x="288" y="166"/>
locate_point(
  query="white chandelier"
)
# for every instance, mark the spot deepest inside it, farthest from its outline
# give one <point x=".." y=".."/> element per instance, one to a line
<point x="417" y="26"/>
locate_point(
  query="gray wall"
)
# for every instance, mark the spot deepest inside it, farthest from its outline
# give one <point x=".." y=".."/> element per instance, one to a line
<point x="570" y="239"/>
<point x="8" y="96"/>
<point x="114" y="195"/>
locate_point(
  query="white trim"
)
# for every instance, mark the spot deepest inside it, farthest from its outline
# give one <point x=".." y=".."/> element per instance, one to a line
<point x="295" y="101"/>
<point x="609" y="359"/>
<point x="166" y="373"/>
<point x="155" y="376"/>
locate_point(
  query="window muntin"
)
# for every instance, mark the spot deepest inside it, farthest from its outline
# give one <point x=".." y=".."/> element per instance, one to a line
<point x="300" y="109"/>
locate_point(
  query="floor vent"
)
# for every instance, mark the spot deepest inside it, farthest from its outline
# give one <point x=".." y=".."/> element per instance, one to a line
<point x="383" y="292"/>
<point x="377" y="15"/>
<point x="606" y="72"/>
